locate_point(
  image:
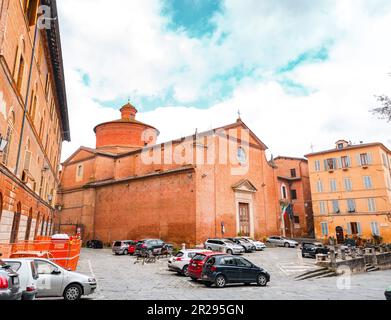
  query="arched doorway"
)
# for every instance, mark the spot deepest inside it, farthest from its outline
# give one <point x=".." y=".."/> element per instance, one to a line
<point x="37" y="225"/>
<point x="15" y="223"/>
<point x="28" y="226"/>
<point x="339" y="235"/>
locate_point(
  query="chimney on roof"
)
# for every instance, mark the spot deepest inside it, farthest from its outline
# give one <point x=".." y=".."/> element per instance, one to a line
<point x="128" y="112"/>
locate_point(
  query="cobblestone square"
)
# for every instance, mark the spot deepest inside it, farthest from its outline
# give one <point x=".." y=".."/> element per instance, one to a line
<point x="119" y="277"/>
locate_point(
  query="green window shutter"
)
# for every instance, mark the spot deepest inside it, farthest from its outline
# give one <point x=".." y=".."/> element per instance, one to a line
<point x="349" y="228"/>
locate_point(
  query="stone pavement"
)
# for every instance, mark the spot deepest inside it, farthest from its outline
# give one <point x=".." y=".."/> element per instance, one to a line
<point x="119" y="278"/>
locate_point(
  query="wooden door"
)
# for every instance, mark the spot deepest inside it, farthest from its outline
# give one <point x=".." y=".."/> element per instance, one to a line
<point x="244" y="219"/>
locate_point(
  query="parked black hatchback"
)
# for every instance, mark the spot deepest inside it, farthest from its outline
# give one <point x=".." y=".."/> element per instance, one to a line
<point x="223" y="269"/>
<point x="150" y="246"/>
<point x="94" y="244"/>
<point x="311" y="249"/>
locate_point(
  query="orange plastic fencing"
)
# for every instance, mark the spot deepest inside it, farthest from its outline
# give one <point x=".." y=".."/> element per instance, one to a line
<point x="64" y="252"/>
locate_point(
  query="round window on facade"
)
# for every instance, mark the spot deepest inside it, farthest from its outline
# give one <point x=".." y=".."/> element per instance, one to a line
<point x="242" y="157"/>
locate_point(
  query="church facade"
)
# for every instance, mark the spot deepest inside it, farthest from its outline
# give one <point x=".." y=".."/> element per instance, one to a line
<point x="211" y="184"/>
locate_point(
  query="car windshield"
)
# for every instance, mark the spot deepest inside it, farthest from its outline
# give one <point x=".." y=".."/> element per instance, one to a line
<point x="179" y="254"/>
<point x="228" y="241"/>
<point x="199" y="257"/>
<point x="246" y="240"/>
<point x="117" y="244"/>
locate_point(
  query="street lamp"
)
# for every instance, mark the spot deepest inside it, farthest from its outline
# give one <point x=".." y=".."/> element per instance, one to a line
<point x="3" y="144"/>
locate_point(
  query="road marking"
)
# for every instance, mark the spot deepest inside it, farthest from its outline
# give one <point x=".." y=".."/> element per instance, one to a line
<point x="90" y="266"/>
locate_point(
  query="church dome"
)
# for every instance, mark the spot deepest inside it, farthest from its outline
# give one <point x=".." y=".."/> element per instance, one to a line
<point x="125" y="134"/>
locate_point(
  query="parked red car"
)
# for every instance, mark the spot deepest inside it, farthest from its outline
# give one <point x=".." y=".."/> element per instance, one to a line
<point x="196" y="264"/>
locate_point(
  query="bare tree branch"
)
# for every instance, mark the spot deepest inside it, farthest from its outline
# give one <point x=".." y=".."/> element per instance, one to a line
<point x="384" y="112"/>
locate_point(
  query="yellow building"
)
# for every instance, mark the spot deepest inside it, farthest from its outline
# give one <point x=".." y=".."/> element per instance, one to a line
<point x="351" y="191"/>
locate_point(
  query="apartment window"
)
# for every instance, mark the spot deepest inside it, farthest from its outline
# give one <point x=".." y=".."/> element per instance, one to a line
<point x="371" y="205"/>
<point x="296" y="219"/>
<point x="364" y="159"/>
<point x="323" y="207"/>
<point x="345" y="162"/>
<point x="333" y="185"/>
<point x="319" y="186"/>
<point x="351" y="205"/>
<point x="348" y="184"/>
<point x="336" y="208"/>
<point x="317" y="165"/>
<point x="340" y="145"/>
<point x="325" y="228"/>
<point x="385" y="160"/>
<point x="375" y="228"/>
<point x="367" y="182"/>
<point x="354" y="228"/>
<point x="331" y="164"/>
<point x="293" y="194"/>
<point x="293" y="173"/>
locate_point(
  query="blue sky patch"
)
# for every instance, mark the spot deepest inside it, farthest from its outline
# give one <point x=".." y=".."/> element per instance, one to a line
<point x="192" y="16"/>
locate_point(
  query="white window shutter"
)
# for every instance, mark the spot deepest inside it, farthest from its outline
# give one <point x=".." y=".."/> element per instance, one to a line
<point x="370" y="157"/>
<point x="359" y="228"/>
<point x="358" y="159"/>
<point x="349" y="228"/>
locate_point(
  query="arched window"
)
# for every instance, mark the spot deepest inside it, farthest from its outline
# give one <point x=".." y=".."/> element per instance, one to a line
<point x="30" y="10"/>
<point x="33" y="104"/>
<point x="15" y="223"/>
<point x="28" y="227"/>
<point x="284" y="192"/>
<point x="8" y="137"/>
<point x="37" y="224"/>
<point x="19" y="79"/>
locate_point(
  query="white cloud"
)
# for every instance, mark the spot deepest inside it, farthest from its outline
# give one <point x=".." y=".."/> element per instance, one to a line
<point x="125" y="49"/>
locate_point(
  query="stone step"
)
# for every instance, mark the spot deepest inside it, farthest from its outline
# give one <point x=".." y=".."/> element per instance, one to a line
<point x="371" y="269"/>
<point x="313" y="274"/>
<point x="327" y="275"/>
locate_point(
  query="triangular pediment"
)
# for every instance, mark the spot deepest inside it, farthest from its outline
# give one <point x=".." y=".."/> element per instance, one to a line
<point x="244" y="186"/>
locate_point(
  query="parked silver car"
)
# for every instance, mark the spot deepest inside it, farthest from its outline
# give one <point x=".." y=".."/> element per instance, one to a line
<point x="28" y="276"/>
<point x="123" y="246"/>
<point x="259" y="245"/>
<point x="223" y="245"/>
<point x="55" y="281"/>
<point x="9" y="283"/>
<point x="282" y="242"/>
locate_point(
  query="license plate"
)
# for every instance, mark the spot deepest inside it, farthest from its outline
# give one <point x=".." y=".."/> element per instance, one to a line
<point x="204" y="277"/>
<point x="15" y="280"/>
<point x="194" y="265"/>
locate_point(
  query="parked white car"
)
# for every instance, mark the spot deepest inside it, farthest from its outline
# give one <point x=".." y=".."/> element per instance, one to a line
<point x="282" y="242"/>
<point x="181" y="261"/>
<point x="28" y="276"/>
<point x="55" y="281"/>
<point x="259" y="245"/>
<point x="223" y="245"/>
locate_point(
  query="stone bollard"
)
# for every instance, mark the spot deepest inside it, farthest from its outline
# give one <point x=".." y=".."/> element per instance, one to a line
<point x="183" y="246"/>
<point x="332" y="255"/>
<point x="343" y="254"/>
<point x="374" y="257"/>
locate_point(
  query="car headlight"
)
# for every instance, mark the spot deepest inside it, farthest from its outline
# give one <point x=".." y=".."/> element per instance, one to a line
<point x="91" y="280"/>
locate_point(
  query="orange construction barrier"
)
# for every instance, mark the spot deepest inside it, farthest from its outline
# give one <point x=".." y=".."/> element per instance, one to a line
<point x="65" y="252"/>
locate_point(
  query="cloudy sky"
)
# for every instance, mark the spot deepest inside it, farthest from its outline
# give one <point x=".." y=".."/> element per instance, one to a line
<point x="302" y="73"/>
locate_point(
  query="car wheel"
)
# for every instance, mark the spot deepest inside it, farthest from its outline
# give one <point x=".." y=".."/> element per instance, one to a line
<point x="286" y="245"/>
<point x="229" y="251"/>
<point x="220" y="281"/>
<point x="261" y="280"/>
<point x="185" y="271"/>
<point x="126" y="252"/>
<point x="73" y="292"/>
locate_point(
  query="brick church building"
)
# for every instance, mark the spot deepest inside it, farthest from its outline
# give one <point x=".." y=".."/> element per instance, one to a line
<point x="211" y="184"/>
